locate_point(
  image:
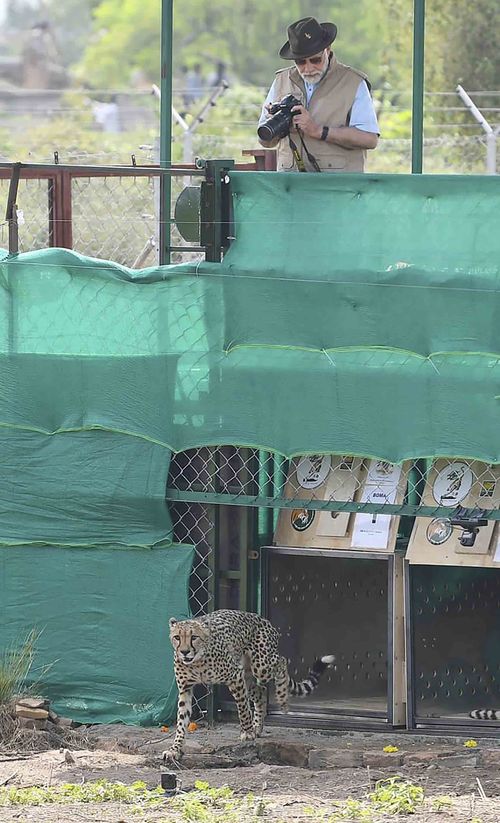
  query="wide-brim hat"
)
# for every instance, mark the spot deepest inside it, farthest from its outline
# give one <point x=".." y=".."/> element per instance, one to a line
<point x="307" y="37"/>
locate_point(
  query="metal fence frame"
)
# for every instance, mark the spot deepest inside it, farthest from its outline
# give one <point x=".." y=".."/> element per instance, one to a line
<point x="60" y="177"/>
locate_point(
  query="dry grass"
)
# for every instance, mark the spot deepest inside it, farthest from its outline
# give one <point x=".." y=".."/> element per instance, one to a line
<point x="15" y="665"/>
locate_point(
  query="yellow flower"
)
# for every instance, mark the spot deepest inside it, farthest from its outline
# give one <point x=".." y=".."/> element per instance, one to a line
<point x="390" y="749"/>
<point x="470" y="744"/>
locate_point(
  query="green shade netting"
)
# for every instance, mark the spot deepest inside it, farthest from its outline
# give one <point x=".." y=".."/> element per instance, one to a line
<point x="103" y="653"/>
<point x="353" y="314"/>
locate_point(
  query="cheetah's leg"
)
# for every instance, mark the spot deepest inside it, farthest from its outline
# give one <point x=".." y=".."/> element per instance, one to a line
<point x="238" y="689"/>
<point x="184" y="706"/>
<point x="257" y="695"/>
<point x="281" y="683"/>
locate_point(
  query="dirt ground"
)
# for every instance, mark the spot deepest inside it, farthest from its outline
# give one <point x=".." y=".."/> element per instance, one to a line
<point x="127" y="754"/>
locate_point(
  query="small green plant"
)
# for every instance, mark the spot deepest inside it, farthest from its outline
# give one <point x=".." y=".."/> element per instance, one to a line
<point x="214" y="805"/>
<point x="396" y="796"/>
<point x="441" y="802"/>
<point x="98" y="791"/>
<point x="352" y="810"/>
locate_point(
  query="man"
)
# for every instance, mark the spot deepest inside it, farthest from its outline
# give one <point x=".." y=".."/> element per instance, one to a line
<point x="336" y="121"/>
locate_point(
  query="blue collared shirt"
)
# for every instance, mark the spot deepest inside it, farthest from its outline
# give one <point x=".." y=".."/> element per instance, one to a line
<point x="363" y="114"/>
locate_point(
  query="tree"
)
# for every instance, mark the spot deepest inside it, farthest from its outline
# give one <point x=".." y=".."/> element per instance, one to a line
<point x="245" y="35"/>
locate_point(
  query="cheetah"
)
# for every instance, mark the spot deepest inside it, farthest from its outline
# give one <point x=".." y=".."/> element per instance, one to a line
<point x="240" y="650"/>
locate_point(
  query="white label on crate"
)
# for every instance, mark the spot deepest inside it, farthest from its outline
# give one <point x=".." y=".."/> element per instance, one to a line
<point x="371" y="531"/>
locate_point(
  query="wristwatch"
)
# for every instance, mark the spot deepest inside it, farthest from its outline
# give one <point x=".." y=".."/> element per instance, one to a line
<point x="324" y="133"/>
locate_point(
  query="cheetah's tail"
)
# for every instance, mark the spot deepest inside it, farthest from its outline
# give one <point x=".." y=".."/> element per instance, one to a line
<point x="485" y="714"/>
<point x="301" y="688"/>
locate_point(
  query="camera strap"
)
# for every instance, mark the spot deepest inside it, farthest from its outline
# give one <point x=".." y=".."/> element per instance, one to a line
<point x="297" y="156"/>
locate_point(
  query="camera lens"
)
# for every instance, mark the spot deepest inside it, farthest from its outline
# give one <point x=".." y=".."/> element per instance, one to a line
<point x="265" y="132"/>
<point x="277" y="126"/>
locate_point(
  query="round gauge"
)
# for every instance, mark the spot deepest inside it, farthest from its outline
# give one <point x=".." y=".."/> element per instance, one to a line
<point x="439" y="530"/>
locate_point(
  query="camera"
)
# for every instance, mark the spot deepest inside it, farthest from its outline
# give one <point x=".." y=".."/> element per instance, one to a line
<point x="279" y="123"/>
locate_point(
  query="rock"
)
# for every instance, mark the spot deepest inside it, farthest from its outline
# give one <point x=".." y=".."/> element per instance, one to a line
<point x="33" y="723"/>
<point x="419" y="758"/>
<point x="382" y="759"/>
<point x="33" y="702"/>
<point x="333" y="759"/>
<point x="457" y="761"/>
<point x="53" y="717"/>
<point x="34" y="714"/>
<point x="490" y="758"/>
<point x="192" y="747"/>
<point x="65" y="722"/>
<point x="282" y="753"/>
<point x="425" y="757"/>
<point x="212" y="761"/>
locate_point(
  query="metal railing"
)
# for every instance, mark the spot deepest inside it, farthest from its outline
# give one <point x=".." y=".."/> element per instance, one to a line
<point x="108" y="212"/>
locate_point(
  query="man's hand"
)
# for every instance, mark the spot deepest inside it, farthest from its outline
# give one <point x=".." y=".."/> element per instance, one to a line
<point x="302" y="120"/>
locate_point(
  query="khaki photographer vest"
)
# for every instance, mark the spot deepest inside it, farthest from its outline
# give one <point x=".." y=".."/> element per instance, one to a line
<point x="330" y="105"/>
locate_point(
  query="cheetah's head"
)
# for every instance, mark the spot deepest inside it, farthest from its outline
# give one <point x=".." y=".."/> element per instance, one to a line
<point x="189" y="639"/>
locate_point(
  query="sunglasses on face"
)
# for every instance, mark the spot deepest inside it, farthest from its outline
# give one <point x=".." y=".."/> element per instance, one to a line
<point x="316" y="61"/>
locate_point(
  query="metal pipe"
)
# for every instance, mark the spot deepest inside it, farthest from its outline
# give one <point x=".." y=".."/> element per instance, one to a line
<point x="474" y="110"/>
<point x="165" y="128"/>
<point x="48" y="169"/>
<point x="417" y="121"/>
<point x="491" y="133"/>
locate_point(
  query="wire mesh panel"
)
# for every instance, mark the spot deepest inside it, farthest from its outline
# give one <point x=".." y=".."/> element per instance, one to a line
<point x="454" y="642"/>
<point x="34" y="213"/>
<point x="114" y="217"/>
<point x="195" y="523"/>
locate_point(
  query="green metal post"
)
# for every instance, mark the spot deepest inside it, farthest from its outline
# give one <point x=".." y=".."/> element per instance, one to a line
<point x="165" y="127"/>
<point x="418" y="86"/>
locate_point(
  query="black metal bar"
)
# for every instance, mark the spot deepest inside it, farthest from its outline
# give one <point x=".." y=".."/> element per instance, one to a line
<point x="11" y="212"/>
<point x="410" y="667"/>
<point x="214" y="209"/>
<point x="390" y="640"/>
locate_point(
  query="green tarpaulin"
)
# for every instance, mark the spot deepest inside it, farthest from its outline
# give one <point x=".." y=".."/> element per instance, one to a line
<point x="352" y="314"/>
<point x="103" y="653"/>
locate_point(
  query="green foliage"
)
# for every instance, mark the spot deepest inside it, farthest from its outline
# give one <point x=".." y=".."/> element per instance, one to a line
<point x="75" y="141"/>
<point x="126" y="37"/>
<point x="392" y="797"/>
<point x="396" y="796"/>
<point x="441" y="802"/>
<point x="209" y="805"/>
<point x="202" y="805"/>
<point x="98" y="791"/>
<point x="245" y="35"/>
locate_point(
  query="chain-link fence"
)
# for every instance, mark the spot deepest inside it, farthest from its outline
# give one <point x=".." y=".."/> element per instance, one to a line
<point x="331" y="501"/>
<point x="113" y="216"/>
